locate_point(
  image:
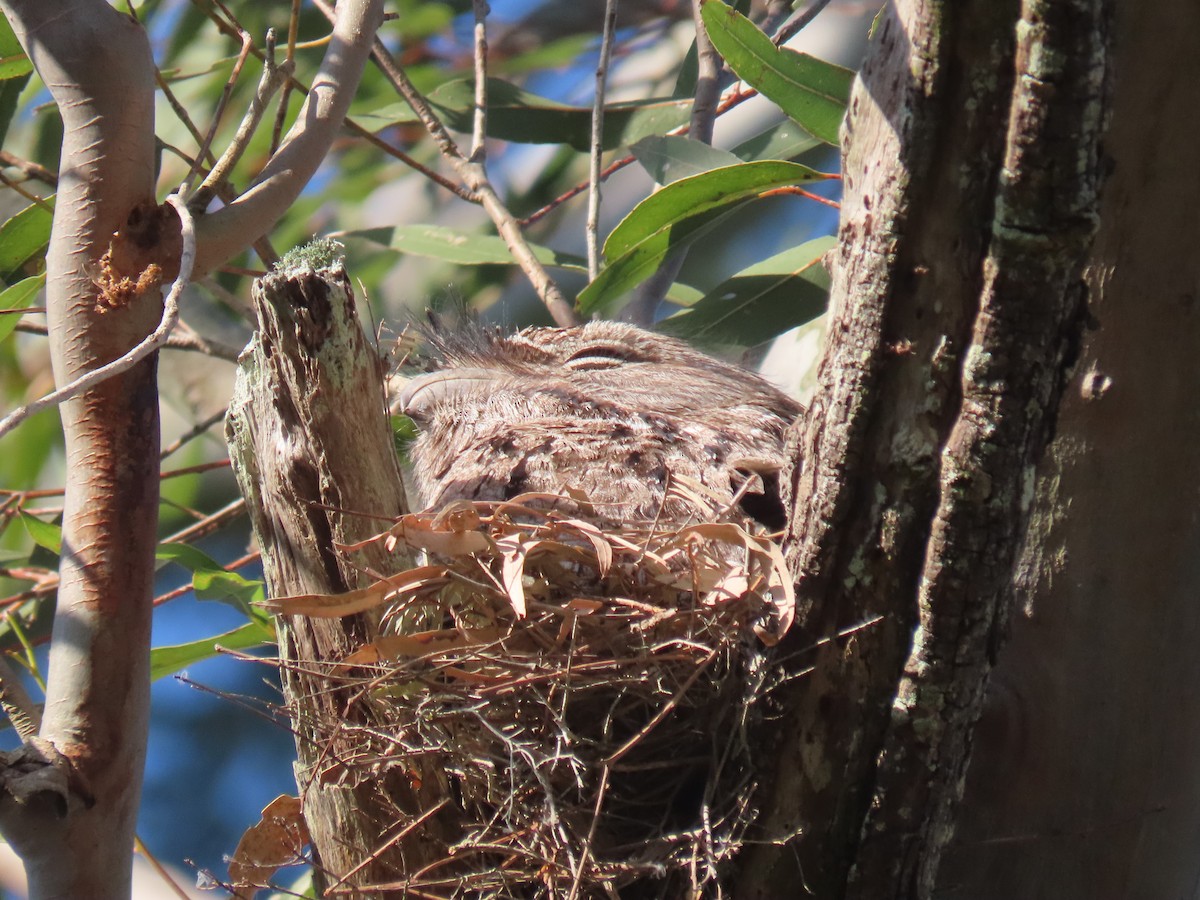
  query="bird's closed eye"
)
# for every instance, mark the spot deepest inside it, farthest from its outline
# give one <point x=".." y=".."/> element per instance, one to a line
<point x="598" y="356"/>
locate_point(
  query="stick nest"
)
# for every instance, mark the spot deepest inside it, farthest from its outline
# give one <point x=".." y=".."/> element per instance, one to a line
<point x="584" y="694"/>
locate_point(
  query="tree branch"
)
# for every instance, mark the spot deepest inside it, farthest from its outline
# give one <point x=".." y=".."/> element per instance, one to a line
<point x="234" y="227"/>
<point x="474" y="176"/>
<point x="154" y="341"/>
<point x="592" y="229"/>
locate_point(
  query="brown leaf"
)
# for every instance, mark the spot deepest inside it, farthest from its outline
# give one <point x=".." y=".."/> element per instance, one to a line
<point x="441" y="535"/>
<point x="278" y="839"/>
<point x="333" y="606"/>
<point x="512" y="572"/>
<point x="422" y="643"/>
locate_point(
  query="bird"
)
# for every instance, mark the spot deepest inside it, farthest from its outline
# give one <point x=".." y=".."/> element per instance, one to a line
<point x="643" y="425"/>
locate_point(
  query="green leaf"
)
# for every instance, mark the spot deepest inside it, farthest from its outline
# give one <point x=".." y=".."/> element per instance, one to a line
<point x="210" y="580"/>
<point x="673" y="216"/>
<point x="461" y="247"/>
<point x="810" y="90"/>
<point x="783" y="140"/>
<point x="44" y="534"/>
<point x="15" y="70"/>
<point x="760" y="302"/>
<point x="668" y="158"/>
<point x="404" y="432"/>
<point x="19" y="296"/>
<point x="24" y="236"/>
<point x="13" y="61"/>
<point x="172" y="658"/>
<point x="517" y="115"/>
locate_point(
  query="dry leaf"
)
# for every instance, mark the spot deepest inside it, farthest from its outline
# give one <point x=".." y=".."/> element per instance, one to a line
<point x="333" y="606"/>
<point x="422" y="643"/>
<point x="512" y="572"/>
<point x="277" y="839"/>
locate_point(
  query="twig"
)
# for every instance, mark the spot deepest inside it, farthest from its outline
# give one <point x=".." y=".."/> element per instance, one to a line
<point x="642" y="309"/>
<point x="592" y="229"/>
<point x="226" y="232"/>
<point x="30" y="168"/>
<point x="479" y="129"/>
<point x="190" y="342"/>
<point x="601" y="790"/>
<point x="731" y="98"/>
<point x="247" y="45"/>
<point x="273" y="77"/>
<point x="148" y="345"/>
<point x="262" y="246"/>
<point x="474" y="176"/>
<point x="192" y="433"/>
<point x="295" y="84"/>
<point x="708" y="82"/>
<point x="290" y="60"/>
<point x="798" y="23"/>
<point x="140" y="846"/>
<point x="27" y="194"/>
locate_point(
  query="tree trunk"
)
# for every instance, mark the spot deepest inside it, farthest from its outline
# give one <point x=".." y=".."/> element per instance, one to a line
<point x="315" y="460"/>
<point x="1085" y="782"/>
<point x="107" y="233"/>
<point x="971" y="176"/>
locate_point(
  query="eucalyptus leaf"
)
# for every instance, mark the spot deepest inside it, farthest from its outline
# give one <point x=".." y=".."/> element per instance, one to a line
<point x="761" y="301"/>
<point x="19" y="296"/>
<point x="670" y="217"/>
<point x="45" y="534"/>
<point x="515" y="114"/>
<point x="211" y="580"/>
<point x="810" y="90"/>
<point x="462" y="247"/>
<point x="668" y="158"/>
<point x="25" y="235"/>
<point x="783" y="140"/>
<point x="13" y="61"/>
<point x="173" y="658"/>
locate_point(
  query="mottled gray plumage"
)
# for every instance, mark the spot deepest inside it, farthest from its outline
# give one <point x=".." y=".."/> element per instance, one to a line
<point x="606" y="408"/>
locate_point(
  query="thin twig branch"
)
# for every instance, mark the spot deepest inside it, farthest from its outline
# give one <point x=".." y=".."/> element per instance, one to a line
<point x="643" y="308"/>
<point x="592" y="229"/>
<point x="708" y="82"/>
<point x="798" y="23"/>
<point x="148" y="345"/>
<point x="479" y="131"/>
<point x="289" y="59"/>
<point x="30" y="168"/>
<point x="194" y="432"/>
<point x="733" y="97"/>
<point x="474" y="176"/>
<point x="224" y="233"/>
<point x="189" y="342"/>
<point x="354" y="127"/>
<point x="226" y="92"/>
<point x="273" y="77"/>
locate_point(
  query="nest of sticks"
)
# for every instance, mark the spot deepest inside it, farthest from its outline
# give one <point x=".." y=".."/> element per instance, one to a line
<point x="588" y="692"/>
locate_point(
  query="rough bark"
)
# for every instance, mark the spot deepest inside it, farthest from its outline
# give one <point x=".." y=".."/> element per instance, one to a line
<point x="97" y="64"/>
<point x="1085" y="781"/>
<point x="971" y="174"/>
<point x="315" y="460"/>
